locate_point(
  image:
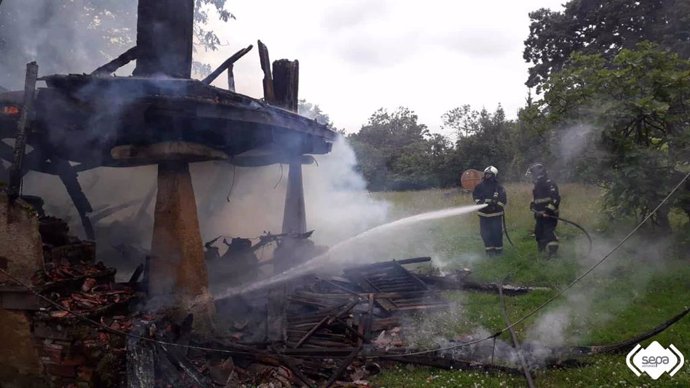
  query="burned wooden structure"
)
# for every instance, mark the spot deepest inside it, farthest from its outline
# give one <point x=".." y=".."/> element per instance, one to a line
<point x="85" y="329"/>
<point x="162" y="117"/>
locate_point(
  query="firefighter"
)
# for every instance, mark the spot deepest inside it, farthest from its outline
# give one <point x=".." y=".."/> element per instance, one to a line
<point x="544" y="205"/>
<point x="490" y="192"/>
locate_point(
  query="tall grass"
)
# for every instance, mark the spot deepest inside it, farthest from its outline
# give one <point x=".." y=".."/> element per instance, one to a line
<point x="642" y="285"/>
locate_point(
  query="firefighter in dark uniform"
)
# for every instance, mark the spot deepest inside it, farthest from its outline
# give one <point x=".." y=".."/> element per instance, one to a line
<point x="544" y="205"/>
<point x="490" y="192"/>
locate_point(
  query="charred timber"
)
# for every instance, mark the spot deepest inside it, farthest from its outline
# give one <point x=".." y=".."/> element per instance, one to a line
<point x="516" y="344"/>
<point x="165" y="33"/>
<point x="226" y="65"/>
<point x="20" y="138"/>
<point x="450" y="283"/>
<point x="110" y="67"/>
<point x="285" y="83"/>
<point x="88" y="116"/>
<point x="269" y="95"/>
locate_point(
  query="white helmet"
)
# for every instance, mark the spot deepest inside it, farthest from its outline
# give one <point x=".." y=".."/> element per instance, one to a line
<point x="491" y="170"/>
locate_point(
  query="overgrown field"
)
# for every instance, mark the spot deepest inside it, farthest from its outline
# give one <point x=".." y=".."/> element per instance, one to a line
<point x="642" y="285"/>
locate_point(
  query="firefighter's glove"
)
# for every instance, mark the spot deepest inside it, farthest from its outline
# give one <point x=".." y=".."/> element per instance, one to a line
<point x="540" y="214"/>
<point x="531" y="206"/>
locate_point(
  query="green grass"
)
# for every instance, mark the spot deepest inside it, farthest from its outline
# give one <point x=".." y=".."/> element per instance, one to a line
<point x="642" y="285"/>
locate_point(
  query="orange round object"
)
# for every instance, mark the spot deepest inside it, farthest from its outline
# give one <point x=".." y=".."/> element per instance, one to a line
<point x="470" y="179"/>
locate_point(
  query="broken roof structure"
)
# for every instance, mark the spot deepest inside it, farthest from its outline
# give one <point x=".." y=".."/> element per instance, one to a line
<point x="161" y="116"/>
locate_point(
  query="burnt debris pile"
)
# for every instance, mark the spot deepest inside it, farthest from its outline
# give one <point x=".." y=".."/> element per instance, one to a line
<point x="69" y="294"/>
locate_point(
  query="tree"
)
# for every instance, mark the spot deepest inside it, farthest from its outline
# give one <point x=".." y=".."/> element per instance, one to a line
<point x="314" y="112"/>
<point x="639" y="103"/>
<point x="483" y="137"/>
<point x="532" y="139"/>
<point x="602" y="27"/>
<point x="396" y="152"/>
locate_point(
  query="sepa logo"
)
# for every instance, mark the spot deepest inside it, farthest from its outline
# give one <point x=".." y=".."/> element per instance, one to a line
<point x="655" y="360"/>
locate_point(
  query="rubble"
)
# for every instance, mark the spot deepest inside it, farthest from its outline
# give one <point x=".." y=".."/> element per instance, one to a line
<point x="89" y="331"/>
<point x="72" y="350"/>
<point x="330" y="323"/>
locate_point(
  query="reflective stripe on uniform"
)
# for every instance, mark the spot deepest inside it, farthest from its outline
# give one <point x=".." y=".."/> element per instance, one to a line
<point x="490" y="214"/>
<point x="477" y="200"/>
<point x="501" y="204"/>
<point x="552" y="244"/>
<point x="551" y="206"/>
<point x="542" y="200"/>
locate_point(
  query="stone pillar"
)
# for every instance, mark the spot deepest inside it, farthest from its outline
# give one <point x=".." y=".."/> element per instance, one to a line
<point x="177" y="270"/>
<point x="21" y="254"/>
<point x="21" y="247"/>
<point x="294" y="215"/>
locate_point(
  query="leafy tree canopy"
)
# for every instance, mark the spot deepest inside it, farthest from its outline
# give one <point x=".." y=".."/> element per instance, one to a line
<point x="483" y="137"/>
<point x="603" y="27"/>
<point x="639" y="104"/>
<point x="314" y="112"/>
<point x="396" y="152"/>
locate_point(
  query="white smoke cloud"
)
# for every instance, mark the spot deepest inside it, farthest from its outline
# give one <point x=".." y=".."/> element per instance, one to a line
<point x="573" y="141"/>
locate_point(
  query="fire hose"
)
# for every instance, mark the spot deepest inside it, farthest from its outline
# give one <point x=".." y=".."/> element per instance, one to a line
<point x="589" y="238"/>
<point x="505" y="230"/>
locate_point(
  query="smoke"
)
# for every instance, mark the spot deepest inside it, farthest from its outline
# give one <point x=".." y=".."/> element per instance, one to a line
<point x="246" y="202"/>
<point x="573" y="141"/>
<point x="62" y="37"/>
<point x="231" y="201"/>
<point x="597" y="298"/>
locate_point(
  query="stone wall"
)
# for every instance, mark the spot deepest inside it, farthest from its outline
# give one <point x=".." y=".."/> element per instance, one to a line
<point x="21" y="254"/>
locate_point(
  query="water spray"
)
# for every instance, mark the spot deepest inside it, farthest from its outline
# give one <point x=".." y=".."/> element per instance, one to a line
<point x="321" y="260"/>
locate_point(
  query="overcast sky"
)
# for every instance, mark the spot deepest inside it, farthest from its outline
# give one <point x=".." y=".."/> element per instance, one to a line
<point x="357" y="56"/>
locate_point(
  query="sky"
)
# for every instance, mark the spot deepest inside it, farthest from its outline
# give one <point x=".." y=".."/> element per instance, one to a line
<point x="361" y="55"/>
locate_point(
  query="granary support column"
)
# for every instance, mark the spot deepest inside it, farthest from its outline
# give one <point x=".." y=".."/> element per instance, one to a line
<point x="285" y="87"/>
<point x="294" y="215"/>
<point x="283" y="92"/>
<point x="177" y="270"/>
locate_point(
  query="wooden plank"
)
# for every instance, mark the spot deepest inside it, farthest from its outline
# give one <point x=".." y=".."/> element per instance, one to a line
<point x="231" y="78"/>
<point x="414" y="260"/>
<point x="312" y="331"/>
<point x="15" y="183"/>
<point x="226" y="65"/>
<point x="370" y="317"/>
<point x="516" y="344"/>
<point x="342" y="368"/>
<point x="414" y="278"/>
<point x="286" y="83"/>
<point x="110" y="67"/>
<point x="269" y="95"/>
